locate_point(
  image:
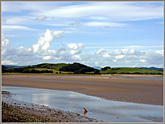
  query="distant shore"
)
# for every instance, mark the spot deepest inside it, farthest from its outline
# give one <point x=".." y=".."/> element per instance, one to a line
<point x="104" y="86"/>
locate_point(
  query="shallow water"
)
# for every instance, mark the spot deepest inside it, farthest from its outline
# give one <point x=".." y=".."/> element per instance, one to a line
<point x="101" y="109"/>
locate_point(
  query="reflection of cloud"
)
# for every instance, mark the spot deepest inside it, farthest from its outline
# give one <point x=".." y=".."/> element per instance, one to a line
<point x="41" y="98"/>
<point x="72" y="94"/>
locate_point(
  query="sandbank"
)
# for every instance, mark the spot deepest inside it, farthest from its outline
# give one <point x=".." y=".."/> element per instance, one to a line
<point x="104" y="86"/>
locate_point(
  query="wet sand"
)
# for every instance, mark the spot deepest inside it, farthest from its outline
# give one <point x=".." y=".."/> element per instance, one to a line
<point x="128" y="90"/>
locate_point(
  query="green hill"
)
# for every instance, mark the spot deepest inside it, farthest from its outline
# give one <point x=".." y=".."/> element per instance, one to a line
<point x="75" y="68"/>
<point x="78" y="68"/>
<point x="50" y="66"/>
<point x="128" y="70"/>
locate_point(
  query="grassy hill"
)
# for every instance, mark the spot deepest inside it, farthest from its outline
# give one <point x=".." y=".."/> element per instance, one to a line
<point x="63" y="68"/>
<point x="77" y="68"/>
<point x="128" y="70"/>
<point x="50" y="66"/>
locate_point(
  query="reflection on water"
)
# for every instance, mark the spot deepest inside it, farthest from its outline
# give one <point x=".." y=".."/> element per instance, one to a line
<point x="101" y="109"/>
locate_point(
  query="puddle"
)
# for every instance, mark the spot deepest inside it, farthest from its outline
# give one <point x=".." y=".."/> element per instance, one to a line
<point x="98" y="108"/>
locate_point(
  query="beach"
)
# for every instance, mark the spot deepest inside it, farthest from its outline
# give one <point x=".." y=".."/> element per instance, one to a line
<point x="104" y="86"/>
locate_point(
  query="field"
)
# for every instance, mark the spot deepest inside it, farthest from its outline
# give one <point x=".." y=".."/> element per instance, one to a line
<point x="127" y="70"/>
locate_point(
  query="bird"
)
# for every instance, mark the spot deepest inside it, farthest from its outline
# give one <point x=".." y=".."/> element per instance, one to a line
<point x="85" y="111"/>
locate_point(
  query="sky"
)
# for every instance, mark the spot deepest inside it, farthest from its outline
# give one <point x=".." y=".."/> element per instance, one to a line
<point x="115" y="34"/>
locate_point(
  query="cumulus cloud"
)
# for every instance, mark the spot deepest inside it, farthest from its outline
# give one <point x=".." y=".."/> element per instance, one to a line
<point x="41" y="18"/>
<point x="126" y="57"/>
<point x="76" y="57"/>
<point x="58" y="34"/>
<point x="5" y="42"/>
<point x="8" y="62"/>
<point x="47" y="57"/>
<point x="75" y="48"/>
<point x="35" y="48"/>
<point x="43" y="43"/>
<point x="120" y="56"/>
<point x="106" y="55"/>
<point x="100" y="51"/>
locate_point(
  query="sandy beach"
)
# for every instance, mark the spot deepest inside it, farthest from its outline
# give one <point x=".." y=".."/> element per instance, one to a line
<point x="104" y="86"/>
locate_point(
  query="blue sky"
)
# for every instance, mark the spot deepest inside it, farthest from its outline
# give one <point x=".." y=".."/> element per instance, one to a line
<point x="115" y="34"/>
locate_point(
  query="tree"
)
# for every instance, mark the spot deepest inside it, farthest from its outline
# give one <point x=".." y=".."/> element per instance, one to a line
<point x="105" y="68"/>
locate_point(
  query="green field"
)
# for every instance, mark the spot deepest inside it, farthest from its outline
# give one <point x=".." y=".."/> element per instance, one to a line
<point x="128" y="70"/>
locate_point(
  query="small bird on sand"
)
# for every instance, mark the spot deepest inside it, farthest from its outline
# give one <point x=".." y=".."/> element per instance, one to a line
<point x="85" y="111"/>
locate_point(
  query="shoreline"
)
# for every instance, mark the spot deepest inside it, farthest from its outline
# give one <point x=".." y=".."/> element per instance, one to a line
<point x="42" y="112"/>
<point x="127" y="90"/>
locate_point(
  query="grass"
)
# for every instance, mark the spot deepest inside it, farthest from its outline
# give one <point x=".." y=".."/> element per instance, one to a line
<point x="128" y="70"/>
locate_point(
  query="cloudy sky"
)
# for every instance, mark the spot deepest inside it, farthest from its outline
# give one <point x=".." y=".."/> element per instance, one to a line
<point x="101" y="34"/>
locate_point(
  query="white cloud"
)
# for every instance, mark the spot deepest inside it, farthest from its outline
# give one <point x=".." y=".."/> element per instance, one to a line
<point x="120" y="56"/>
<point x="8" y="62"/>
<point x="100" y="51"/>
<point x="122" y="11"/>
<point x="106" y="55"/>
<point x="76" y="57"/>
<point x="104" y="24"/>
<point x="43" y="43"/>
<point x="15" y="27"/>
<point x="16" y="20"/>
<point x="5" y="42"/>
<point x="46" y="46"/>
<point x="160" y="52"/>
<point x="48" y="37"/>
<point x="58" y="34"/>
<point x="75" y="48"/>
<point x="47" y="57"/>
<point x="41" y="18"/>
<point x="142" y="60"/>
<point x="35" y="48"/>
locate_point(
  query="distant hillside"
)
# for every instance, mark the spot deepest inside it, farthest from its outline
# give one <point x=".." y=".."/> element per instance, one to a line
<point x="78" y="68"/>
<point x="12" y="66"/>
<point x="128" y="70"/>
<point x="4" y="67"/>
<point x="75" y="68"/>
<point x="50" y="66"/>
<point x="151" y="68"/>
